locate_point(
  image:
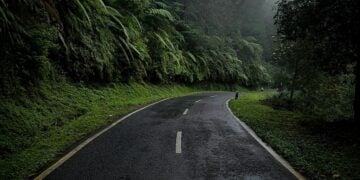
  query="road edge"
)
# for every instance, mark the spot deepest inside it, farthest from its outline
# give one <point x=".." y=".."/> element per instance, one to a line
<point x="67" y="156"/>
<point x="275" y="155"/>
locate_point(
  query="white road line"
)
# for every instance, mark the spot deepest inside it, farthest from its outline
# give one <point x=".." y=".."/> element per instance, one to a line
<point x="186" y="111"/>
<point x="178" y="142"/>
<point x="213" y="96"/>
<point x="87" y="141"/>
<point x="281" y="160"/>
<point x="198" y="101"/>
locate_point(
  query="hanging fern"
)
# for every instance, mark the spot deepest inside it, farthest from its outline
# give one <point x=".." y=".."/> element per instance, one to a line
<point x="117" y="40"/>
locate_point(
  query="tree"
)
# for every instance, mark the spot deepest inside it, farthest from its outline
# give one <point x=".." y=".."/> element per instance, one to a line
<point x="332" y="28"/>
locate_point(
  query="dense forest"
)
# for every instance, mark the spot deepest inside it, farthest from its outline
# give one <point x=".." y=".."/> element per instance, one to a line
<point x="59" y="58"/>
<point x="115" y="41"/>
<point x="318" y="53"/>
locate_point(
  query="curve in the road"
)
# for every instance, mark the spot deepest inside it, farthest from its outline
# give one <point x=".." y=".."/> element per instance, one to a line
<point x="191" y="137"/>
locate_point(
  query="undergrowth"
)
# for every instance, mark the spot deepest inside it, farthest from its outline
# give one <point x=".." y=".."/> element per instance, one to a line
<point x="317" y="150"/>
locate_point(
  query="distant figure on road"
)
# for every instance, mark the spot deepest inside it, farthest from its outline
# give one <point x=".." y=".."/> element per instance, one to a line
<point x="236" y="95"/>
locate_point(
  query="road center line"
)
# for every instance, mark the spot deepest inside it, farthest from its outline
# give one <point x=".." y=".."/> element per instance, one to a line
<point x="178" y="142"/>
<point x="198" y="101"/>
<point x="186" y="111"/>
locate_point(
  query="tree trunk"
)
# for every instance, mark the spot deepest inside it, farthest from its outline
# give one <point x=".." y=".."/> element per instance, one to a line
<point x="293" y="81"/>
<point x="292" y="89"/>
<point x="357" y="94"/>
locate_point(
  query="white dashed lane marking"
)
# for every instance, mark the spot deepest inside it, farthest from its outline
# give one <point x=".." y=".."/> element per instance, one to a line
<point x="178" y="142"/>
<point x="186" y="111"/>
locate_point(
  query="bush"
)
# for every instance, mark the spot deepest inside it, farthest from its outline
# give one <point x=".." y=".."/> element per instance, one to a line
<point x="323" y="98"/>
<point x="328" y="98"/>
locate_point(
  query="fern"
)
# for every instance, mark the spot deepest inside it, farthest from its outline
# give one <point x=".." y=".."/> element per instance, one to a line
<point x="161" y="12"/>
<point x="162" y="41"/>
<point x="126" y="40"/>
<point x="161" y="5"/>
<point x="83" y="10"/>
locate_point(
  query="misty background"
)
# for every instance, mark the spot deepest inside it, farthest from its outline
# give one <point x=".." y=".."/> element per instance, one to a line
<point x="233" y="18"/>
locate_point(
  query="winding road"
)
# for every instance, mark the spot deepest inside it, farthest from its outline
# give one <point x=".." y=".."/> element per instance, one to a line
<point x="191" y="137"/>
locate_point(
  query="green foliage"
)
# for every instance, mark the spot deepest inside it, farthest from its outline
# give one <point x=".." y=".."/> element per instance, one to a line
<point x="161" y="12"/>
<point x="232" y="18"/>
<point x="24" y="62"/>
<point x="315" y="53"/>
<point x="96" y="41"/>
<point x="327" y="98"/>
<point x="317" y="150"/>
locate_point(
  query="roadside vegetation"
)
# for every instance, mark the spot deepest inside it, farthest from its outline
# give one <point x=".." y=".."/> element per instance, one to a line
<point x="121" y="41"/>
<point x="317" y="57"/>
<point x="314" y="117"/>
<point x="317" y="150"/>
<point x="70" y="67"/>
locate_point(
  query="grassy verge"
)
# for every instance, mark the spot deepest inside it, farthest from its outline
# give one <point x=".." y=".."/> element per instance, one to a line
<point x="317" y="151"/>
<point x="36" y="129"/>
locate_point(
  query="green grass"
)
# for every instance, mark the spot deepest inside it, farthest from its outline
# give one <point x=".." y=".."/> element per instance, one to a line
<point x="36" y="129"/>
<point x="318" y="152"/>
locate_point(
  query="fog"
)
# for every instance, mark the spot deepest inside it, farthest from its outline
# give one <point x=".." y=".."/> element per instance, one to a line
<point x="234" y="17"/>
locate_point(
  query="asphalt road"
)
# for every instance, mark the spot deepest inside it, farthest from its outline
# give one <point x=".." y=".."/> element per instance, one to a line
<point x="181" y="138"/>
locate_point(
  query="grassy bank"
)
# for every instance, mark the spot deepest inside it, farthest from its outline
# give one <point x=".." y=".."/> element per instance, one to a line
<point x="327" y="151"/>
<point x="36" y="129"/>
